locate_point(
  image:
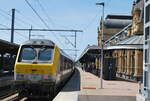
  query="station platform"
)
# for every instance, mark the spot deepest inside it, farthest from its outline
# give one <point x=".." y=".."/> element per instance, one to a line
<point x="84" y="86"/>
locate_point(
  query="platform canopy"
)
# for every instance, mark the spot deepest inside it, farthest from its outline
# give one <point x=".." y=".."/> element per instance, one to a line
<point x="133" y="42"/>
<point x="7" y="47"/>
<point x="90" y="53"/>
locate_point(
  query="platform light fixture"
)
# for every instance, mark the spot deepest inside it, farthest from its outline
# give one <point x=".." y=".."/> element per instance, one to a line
<point x="102" y="44"/>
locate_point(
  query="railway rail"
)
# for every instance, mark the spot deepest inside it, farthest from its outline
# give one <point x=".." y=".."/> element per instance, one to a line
<point x="14" y="97"/>
<point x="5" y="93"/>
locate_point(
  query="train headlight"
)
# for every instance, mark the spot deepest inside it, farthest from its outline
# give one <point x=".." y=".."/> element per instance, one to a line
<point x="45" y="76"/>
<point x="49" y="77"/>
<point x="21" y="76"/>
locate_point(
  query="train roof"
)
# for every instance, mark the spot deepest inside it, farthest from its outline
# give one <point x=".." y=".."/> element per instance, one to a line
<point x="66" y="55"/>
<point x="39" y="42"/>
<point x="47" y="43"/>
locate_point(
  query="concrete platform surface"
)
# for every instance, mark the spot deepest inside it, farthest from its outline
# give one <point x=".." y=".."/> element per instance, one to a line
<point x="84" y="86"/>
<point x="113" y="90"/>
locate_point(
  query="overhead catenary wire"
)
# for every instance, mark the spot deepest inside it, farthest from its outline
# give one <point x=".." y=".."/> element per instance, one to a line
<point x="53" y="24"/>
<point x="47" y="15"/>
<point x="50" y="20"/>
<point x="15" y="32"/>
<point x="6" y="17"/>
<point x="32" y="22"/>
<point x="9" y="17"/>
<point x="90" y="23"/>
<point x="44" y="11"/>
<point x="18" y="19"/>
<point x="37" y="14"/>
<point x="42" y="20"/>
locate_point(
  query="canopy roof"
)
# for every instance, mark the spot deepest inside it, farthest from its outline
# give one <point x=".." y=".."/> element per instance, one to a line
<point x="89" y="52"/>
<point x="7" y="47"/>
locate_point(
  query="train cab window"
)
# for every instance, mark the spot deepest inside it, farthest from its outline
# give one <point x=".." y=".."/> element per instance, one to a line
<point x="45" y="54"/>
<point x="36" y="53"/>
<point x="28" y="54"/>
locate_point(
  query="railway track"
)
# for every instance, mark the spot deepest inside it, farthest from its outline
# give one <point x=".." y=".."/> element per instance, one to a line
<point x="13" y="97"/>
<point x="6" y="91"/>
<point x="9" y="93"/>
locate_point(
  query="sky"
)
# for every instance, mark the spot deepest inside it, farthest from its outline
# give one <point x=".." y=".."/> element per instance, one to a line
<point x="59" y="14"/>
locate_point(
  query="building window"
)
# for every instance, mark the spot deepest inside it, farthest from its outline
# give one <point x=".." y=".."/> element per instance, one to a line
<point x="146" y="33"/>
<point x="145" y="78"/>
<point x="146" y="56"/>
<point x="145" y="42"/>
<point x="147" y="15"/>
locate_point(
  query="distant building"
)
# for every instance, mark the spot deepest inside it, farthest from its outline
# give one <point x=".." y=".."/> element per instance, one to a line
<point x="113" y="24"/>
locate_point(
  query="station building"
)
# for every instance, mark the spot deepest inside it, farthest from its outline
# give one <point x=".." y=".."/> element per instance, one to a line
<point x="112" y="25"/>
<point x="123" y="47"/>
<point x="126" y="47"/>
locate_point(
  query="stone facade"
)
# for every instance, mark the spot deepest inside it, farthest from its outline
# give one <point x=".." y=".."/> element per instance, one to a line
<point x="137" y="13"/>
<point x="111" y="27"/>
<point x="128" y="62"/>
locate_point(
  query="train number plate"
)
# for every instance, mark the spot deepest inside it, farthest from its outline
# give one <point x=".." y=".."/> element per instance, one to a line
<point x="35" y="77"/>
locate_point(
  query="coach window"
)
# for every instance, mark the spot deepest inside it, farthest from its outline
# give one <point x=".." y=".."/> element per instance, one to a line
<point x="61" y="63"/>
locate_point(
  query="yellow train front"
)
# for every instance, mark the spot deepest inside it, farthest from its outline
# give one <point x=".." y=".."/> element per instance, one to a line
<point x="41" y="68"/>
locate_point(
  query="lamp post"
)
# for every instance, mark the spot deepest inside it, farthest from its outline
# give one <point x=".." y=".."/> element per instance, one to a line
<point x="102" y="43"/>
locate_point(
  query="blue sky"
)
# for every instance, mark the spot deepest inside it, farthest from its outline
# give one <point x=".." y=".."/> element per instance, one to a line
<point x="64" y="14"/>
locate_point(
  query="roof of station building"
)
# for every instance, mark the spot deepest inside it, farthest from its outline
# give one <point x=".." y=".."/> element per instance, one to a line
<point x="93" y="50"/>
<point x="119" y="16"/>
<point x="8" y="47"/>
<point x="133" y="40"/>
<point x="117" y="21"/>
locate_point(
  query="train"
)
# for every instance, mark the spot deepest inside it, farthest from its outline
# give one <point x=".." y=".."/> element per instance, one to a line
<point x="41" y="68"/>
